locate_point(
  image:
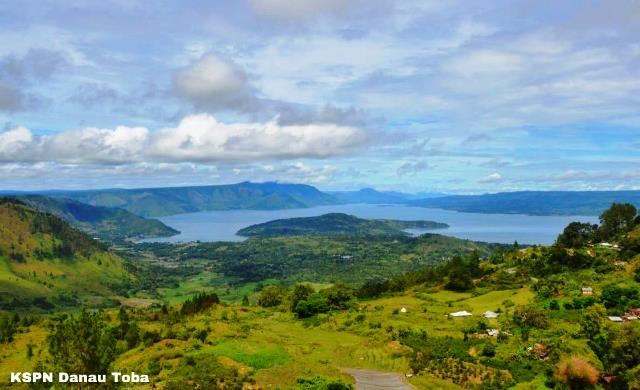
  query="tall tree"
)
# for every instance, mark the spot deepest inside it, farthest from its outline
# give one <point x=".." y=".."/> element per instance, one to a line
<point x="82" y="344"/>
<point x="619" y="219"/>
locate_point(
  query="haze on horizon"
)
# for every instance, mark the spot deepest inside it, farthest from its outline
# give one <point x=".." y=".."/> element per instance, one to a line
<point x="437" y="96"/>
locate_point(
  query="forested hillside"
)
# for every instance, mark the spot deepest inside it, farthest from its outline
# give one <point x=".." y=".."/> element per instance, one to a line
<point x="103" y="222"/>
<point x="44" y="262"/>
<point x="336" y="224"/>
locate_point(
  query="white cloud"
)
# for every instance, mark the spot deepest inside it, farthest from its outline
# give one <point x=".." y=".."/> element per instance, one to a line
<point x="214" y="83"/>
<point x="199" y="138"/>
<point x="492" y="178"/>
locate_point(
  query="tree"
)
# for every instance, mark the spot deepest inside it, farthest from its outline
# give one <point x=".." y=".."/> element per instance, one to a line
<point x="315" y="304"/>
<point x="300" y="293"/>
<point x="271" y="296"/>
<point x="7" y="329"/>
<point x="619" y="219"/>
<point x="202" y="301"/>
<point x="528" y="316"/>
<point x="339" y="296"/>
<point x="82" y="344"/>
<point x="459" y="275"/>
<point x="577" y="235"/>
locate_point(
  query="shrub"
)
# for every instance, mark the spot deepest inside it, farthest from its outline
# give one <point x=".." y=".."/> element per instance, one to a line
<point x="271" y="296"/>
<point x="200" y="302"/>
<point x="577" y="373"/>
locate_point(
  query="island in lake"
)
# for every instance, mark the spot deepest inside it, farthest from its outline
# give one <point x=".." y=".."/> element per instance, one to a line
<point x="336" y="224"/>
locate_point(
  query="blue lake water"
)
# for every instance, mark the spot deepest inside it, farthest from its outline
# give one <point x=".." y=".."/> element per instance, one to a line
<point x="502" y="228"/>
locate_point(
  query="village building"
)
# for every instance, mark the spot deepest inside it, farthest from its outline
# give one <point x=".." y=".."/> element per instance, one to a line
<point x="616" y="319"/>
<point x="490" y="314"/>
<point x="632" y="315"/>
<point x="587" y="291"/>
<point x="463" y="313"/>
<point x="403" y="310"/>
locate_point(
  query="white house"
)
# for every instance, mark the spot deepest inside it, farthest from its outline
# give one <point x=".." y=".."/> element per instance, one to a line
<point x="403" y="310"/>
<point x="493" y="332"/>
<point x="490" y="314"/>
<point x="616" y="319"/>
<point x="463" y="313"/>
<point x="587" y="291"/>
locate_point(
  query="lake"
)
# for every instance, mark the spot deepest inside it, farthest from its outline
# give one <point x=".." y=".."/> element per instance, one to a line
<point x="502" y="228"/>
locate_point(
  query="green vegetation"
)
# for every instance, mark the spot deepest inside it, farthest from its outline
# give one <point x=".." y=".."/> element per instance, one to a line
<point x="336" y="224"/>
<point x="44" y="262"/>
<point x="104" y="222"/>
<point x="547" y="323"/>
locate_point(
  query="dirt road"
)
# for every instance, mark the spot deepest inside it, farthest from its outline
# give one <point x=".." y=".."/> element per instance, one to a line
<point x="376" y="380"/>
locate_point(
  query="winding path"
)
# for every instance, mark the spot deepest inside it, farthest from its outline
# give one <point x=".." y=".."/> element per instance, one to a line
<point x="376" y="380"/>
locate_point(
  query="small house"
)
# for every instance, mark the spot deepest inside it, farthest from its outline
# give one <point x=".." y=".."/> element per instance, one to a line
<point x="490" y="314"/>
<point x="463" y="313"/>
<point x="616" y="319"/>
<point x="493" y="332"/>
<point x="632" y="315"/>
<point x="403" y="310"/>
<point x="587" y="291"/>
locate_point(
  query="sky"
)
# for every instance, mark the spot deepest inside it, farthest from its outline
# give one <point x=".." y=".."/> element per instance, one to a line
<point x="413" y="96"/>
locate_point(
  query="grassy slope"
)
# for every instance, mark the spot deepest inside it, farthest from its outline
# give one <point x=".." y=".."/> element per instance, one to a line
<point x="278" y="348"/>
<point x="30" y="267"/>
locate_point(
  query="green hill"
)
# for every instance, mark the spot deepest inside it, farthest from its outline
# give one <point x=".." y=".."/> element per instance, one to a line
<point x="103" y="222"/>
<point x="336" y="224"/>
<point x="44" y="262"/>
<point x="156" y="202"/>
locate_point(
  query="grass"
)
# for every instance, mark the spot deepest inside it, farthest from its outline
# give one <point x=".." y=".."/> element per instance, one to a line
<point x="253" y="354"/>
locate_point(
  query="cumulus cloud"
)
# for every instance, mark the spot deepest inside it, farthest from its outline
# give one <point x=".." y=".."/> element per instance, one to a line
<point x="197" y="138"/>
<point x="492" y="178"/>
<point x="214" y="83"/>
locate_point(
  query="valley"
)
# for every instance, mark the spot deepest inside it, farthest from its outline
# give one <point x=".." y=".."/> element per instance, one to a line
<point x="325" y="302"/>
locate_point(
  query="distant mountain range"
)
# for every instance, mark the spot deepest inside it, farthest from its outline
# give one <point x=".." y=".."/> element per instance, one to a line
<point x="336" y="224"/>
<point x="534" y="202"/>
<point x="158" y="202"/>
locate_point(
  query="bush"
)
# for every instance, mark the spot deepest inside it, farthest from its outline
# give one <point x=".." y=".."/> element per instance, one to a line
<point x="200" y="302"/>
<point x="320" y="383"/>
<point x="527" y="316"/>
<point x="271" y="296"/>
<point x="315" y="304"/>
<point x="577" y="373"/>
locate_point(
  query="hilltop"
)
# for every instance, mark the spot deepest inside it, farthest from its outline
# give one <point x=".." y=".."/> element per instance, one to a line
<point x="336" y="224"/>
<point x="45" y="262"/>
<point x="104" y="222"/>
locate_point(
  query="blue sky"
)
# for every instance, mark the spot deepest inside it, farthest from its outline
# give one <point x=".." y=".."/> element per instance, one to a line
<point x="453" y="96"/>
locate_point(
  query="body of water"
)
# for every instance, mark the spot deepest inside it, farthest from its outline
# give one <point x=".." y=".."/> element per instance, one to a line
<point x="502" y="228"/>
